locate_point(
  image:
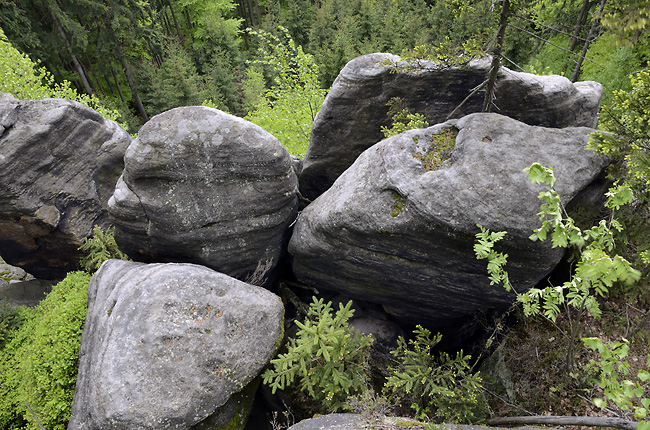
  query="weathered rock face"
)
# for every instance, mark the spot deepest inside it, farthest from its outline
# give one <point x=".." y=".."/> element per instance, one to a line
<point x="59" y="161"/>
<point x="355" y="108"/>
<point x="205" y="187"/>
<point x="390" y="232"/>
<point x="166" y="345"/>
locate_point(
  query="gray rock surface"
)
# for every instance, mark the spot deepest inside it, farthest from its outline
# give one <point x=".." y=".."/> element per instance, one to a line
<point x="24" y="293"/>
<point x="167" y="345"/>
<point x="355" y="108"/>
<point x="205" y="187"/>
<point x="59" y="162"/>
<point x="388" y="232"/>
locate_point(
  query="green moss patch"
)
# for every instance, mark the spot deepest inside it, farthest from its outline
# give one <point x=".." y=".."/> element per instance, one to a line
<point x="440" y="149"/>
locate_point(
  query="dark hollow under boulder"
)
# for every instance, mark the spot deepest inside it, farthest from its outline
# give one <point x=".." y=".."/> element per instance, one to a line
<point x="390" y="232"/>
<point x="59" y="162"/>
<point x="355" y="109"/>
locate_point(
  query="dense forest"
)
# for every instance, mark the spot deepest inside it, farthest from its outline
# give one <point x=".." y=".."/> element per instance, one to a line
<point x="144" y="57"/>
<point x="273" y="61"/>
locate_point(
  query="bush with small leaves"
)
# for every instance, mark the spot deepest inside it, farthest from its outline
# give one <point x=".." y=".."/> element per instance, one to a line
<point x="38" y="365"/>
<point x="329" y="360"/>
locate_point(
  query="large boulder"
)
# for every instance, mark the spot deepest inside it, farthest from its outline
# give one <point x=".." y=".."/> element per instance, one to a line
<point x="167" y="345"/>
<point x="206" y="187"/>
<point x="355" y="108"/>
<point x="398" y="227"/>
<point x="59" y="162"/>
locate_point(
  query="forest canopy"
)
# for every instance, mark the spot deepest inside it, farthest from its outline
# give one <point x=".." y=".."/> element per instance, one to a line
<point x="144" y="57"/>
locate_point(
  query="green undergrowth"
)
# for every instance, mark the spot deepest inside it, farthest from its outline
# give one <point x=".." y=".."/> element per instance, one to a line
<point x="38" y="364"/>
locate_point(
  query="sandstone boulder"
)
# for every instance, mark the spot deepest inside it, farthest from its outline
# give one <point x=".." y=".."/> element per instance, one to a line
<point x="59" y="162"/>
<point x="389" y="231"/>
<point x="167" y="345"/>
<point x="355" y="108"/>
<point x="205" y="187"/>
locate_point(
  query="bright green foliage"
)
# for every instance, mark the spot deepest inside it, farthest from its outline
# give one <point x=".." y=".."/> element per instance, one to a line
<point x="484" y="249"/>
<point x="39" y="364"/>
<point x="595" y="272"/>
<point x="23" y="79"/>
<point x="629" y="120"/>
<point x="100" y="247"/>
<point x="329" y="360"/>
<point x="438" y="385"/>
<point x="628" y="17"/>
<point x="10" y="319"/>
<point x="402" y="119"/>
<point x="289" y="107"/>
<point x="610" y="373"/>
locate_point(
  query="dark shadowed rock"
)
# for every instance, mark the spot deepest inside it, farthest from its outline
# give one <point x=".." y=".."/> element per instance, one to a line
<point x="205" y="187"/>
<point x="355" y="108"/>
<point x="59" y="162"/>
<point x="167" y="345"/>
<point x="390" y="232"/>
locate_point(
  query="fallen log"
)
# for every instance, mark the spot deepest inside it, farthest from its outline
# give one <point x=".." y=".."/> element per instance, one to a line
<point x="618" y="423"/>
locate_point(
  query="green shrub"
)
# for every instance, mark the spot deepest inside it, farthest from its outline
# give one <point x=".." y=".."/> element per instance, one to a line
<point x="402" y="119"/>
<point x="437" y="385"/>
<point x="38" y="366"/>
<point x="100" y="247"/>
<point x="329" y="360"/>
<point x="10" y="319"/>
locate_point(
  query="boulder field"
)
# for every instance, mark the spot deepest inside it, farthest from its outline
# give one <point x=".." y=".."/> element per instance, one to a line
<point x="398" y="226"/>
<point x="207" y="204"/>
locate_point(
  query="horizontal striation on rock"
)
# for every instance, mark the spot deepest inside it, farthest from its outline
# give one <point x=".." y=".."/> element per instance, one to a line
<point x="354" y="111"/>
<point x="59" y="161"/>
<point x="206" y="187"/>
<point x="166" y="345"/>
<point x="389" y="231"/>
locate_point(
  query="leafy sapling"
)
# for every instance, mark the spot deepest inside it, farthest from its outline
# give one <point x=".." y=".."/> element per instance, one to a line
<point x="595" y="272"/>
<point x="607" y="373"/>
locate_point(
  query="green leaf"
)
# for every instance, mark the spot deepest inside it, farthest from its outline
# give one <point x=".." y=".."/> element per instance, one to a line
<point x="600" y="403"/>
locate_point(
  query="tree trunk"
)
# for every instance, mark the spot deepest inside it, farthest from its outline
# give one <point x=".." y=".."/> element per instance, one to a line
<point x="257" y="13"/>
<point x="496" y="58"/>
<point x="592" y="32"/>
<point x="242" y="14"/>
<point x="117" y="84"/>
<point x="618" y="423"/>
<point x="127" y="73"/>
<point x="581" y="21"/>
<point x="108" y="81"/>
<point x="75" y="60"/>
<point x="250" y="12"/>
<point x="178" y="29"/>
